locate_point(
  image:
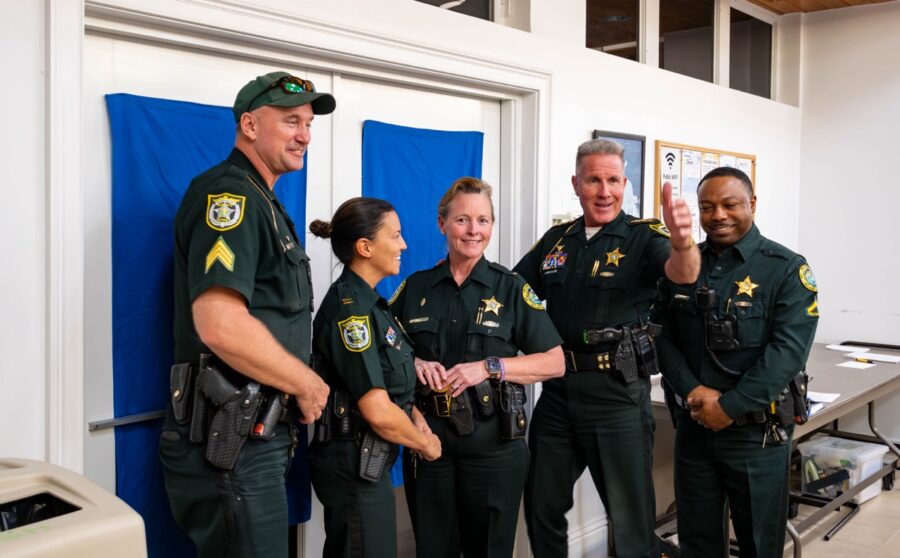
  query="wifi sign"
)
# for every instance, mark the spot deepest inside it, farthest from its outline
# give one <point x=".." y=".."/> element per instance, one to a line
<point x="670" y="159"/>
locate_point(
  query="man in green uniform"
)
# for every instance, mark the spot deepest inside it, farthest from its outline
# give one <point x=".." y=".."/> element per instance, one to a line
<point x="731" y="343"/>
<point x="243" y="295"/>
<point x="598" y="276"/>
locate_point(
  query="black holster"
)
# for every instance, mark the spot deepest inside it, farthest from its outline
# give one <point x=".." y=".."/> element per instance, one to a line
<point x="462" y="416"/>
<point x="513" y="419"/>
<point x="339" y="421"/>
<point x="798" y="387"/>
<point x="233" y="414"/>
<point x="377" y="454"/>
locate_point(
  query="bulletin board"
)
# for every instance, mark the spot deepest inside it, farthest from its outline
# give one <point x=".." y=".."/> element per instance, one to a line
<point x="684" y="166"/>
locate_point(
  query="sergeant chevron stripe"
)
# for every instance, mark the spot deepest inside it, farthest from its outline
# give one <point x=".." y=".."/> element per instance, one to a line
<point x="221" y="253"/>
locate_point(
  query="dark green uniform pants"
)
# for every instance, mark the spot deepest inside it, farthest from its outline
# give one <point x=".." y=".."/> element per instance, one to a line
<point x="712" y="467"/>
<point x="237" y="513"/>
<point x="360" y="516"/>
<point x="468" y="500"/>
<point x="590" y="419"/>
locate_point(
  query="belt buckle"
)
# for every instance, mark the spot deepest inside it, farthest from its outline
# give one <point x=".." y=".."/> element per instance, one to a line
<point x="442" y="404"/>
<point x="603" y="361"/>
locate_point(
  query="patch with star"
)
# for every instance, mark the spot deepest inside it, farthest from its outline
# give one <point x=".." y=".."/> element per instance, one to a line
<point x="556" y="259"/>
<point x="224" y="211"/>
<point x="613" y="258"/>
<point x="220" y="252"/>
<point x="746" y="286"/>
<point x="661" y="228"/>
<point x="397" y="292"/>
<point x="808" y="279"/>
<point x="531" y="298"/>
<point x="355" y="333"/>
<point x="492" y="305"/>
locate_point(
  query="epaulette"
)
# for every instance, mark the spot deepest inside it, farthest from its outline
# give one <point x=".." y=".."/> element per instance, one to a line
<point x="347" y="299"/>
<point x="647" y="220"/>
<point x="563" y="223"/>
<point x="500" y="268"/>
<point x="773" y="249"/>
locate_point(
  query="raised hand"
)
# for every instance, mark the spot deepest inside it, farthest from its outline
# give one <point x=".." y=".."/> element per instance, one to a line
<point x="677" y="217"/>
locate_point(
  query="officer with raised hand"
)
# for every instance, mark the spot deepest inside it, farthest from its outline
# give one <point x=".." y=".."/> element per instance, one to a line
<point x="243" y="305"/>
<point x="733" y="343"/>
<point x="598" y="276"/>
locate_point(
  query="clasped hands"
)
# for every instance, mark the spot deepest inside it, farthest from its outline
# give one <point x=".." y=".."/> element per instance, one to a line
<point x="705" y="409"/>
<point x="463" y="375"/>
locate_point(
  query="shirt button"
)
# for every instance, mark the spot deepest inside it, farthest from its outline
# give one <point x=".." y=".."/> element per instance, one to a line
<point x="718" y="268"/>
<point x="453" y="321"/>
<point x="490" y="331"/>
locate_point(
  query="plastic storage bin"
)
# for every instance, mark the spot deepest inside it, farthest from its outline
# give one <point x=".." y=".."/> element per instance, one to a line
<point x="50" y="512"/>
<point x="827" y="455"/>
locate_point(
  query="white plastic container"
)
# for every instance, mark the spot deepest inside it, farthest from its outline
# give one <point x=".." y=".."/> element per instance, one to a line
<point x="827" y="455"/>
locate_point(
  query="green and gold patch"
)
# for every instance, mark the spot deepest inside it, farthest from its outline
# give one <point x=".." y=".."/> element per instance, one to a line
<point x="808" y="279"/>
<point x="662" y="229"/>
<point x="355" y="333"/>
<point x="531" y="298"/>
<point x="224" y="211"/>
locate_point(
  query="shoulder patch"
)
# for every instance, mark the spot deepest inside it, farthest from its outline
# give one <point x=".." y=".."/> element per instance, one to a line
<point x="397" y="292"/>
<point x="220" y="252"/>
<point x="661" y="229"/>
<point x="224" y="211"/>
<point x="807" y="278"/>
<point x="531" y="297"/>
<point x="356" y="333"/>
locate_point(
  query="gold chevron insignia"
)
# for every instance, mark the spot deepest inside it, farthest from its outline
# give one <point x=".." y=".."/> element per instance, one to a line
<point x="221" y="253"/>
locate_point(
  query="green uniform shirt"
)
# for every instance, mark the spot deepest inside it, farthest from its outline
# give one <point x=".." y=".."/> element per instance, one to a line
<point x="360" y="343"/>
<point x="607" y="281"/>
<point x="231" y="231"/>
<point x="493" y="313"/>
<point x="771" y="292"/>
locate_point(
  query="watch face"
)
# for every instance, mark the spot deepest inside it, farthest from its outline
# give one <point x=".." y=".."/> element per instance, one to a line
<point x="492" y="364"/>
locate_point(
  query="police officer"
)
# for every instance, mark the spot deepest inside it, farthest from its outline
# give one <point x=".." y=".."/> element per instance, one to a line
<point x="598" y="276"/>
<point x="243" y="296"/>
<point x="731" y="344"/>
<point x="368" y="362"/>
<point x="468" y="319"/>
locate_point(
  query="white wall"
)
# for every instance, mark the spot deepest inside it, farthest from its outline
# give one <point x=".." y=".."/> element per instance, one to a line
<point x="588" y="90"/>
<point x="850" y="97"/>
<point x="23" y="355"/>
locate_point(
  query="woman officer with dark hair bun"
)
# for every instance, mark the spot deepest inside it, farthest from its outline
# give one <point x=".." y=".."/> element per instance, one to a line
<point x="367" y="361"/>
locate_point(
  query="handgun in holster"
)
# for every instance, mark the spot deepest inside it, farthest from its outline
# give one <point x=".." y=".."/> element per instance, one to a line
<point x="271" y="412"/>
<point x="513" y="419"/>
<point x="375" y="455"/>
<point x="233" y="416"/>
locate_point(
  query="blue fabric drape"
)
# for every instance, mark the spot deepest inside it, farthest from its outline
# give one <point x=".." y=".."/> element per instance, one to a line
<point x="158" y="146"/>
<point x="412" y="168"/>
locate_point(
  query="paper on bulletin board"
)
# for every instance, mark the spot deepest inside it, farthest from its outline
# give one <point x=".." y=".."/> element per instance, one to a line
<point x="709" y="162"/>
<point x="745" y="165"/>
<point x="691" y="173"/>
<point x="728" y="161"/>
<point x="670" y="168"/>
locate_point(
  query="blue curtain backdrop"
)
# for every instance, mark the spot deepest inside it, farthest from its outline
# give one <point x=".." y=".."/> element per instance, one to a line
<point x="158" y="146"/>
<point x="412" y="168"/>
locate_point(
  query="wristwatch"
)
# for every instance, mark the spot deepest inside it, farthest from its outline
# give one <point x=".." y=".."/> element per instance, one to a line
<point x="495" y="369"/>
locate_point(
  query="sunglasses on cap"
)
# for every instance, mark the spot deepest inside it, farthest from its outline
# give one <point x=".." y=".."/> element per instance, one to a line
<point x="290" y="84"/>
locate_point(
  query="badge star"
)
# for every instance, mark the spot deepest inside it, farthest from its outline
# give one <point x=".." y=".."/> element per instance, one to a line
<point x="492" y="305"/>
<point x="612" y="258"/>
<point x="746" y="286"/>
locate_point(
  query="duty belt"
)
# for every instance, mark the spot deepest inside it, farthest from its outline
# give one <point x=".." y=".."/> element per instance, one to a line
<point x="589" y="362"/>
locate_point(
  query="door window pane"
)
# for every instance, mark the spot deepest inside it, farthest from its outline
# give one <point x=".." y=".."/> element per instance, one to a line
<point x="686" y="37"/>
<point x="612" y="27"/>
<point x="751" y="55"/>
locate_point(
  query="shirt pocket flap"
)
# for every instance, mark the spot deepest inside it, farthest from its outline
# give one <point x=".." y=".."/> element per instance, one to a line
<point x="492" y="328"/>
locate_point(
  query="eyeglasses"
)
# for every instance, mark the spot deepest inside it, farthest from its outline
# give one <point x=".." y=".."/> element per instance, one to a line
<point x="289" y="84"/>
